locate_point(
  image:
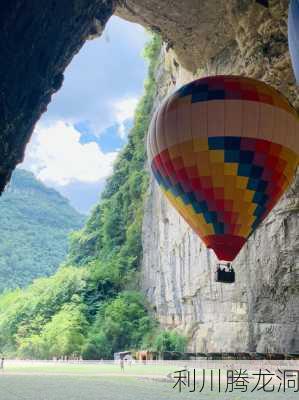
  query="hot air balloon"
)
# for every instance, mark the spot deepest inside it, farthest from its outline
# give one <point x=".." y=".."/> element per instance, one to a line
<point x="293" y="35"/>
<point x="223" y="150"/>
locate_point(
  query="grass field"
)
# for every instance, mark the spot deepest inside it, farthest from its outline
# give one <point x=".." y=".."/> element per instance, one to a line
<point x="92" y="369"/>
<point x="41" y="381"/>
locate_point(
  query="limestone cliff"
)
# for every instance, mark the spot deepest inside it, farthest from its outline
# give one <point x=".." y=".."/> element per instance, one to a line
<point x="260" y="312"/>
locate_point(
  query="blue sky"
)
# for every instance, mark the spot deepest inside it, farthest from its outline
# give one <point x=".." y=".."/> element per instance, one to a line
<point x="75" y="143"/>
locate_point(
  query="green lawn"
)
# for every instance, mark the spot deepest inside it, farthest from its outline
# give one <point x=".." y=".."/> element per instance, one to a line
<point x="89" y="369"/>
<point x="105" y="382"/>
<point x="92" y="388"/>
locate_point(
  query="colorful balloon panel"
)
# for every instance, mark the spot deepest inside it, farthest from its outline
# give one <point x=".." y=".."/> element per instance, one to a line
<point x="223" y="150"/>
<point x="293" y="35"/>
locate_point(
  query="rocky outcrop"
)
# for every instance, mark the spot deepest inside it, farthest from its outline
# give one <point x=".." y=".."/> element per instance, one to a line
<point x="260" y="312"/>
<point x="37" y="41"/>
<point x="215" y="36"/>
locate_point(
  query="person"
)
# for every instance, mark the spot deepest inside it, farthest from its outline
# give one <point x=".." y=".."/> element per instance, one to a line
<point x="2" y="363"/>
<point x="122" y="365"/>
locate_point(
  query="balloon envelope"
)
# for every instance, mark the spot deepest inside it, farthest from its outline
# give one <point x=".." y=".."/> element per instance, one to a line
<point x="293" y="35"/>
<point x="223" y="150"/>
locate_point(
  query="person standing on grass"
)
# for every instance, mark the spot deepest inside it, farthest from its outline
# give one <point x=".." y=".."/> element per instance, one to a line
<point x="2" y="363"/>
<point x="122" y="365"/>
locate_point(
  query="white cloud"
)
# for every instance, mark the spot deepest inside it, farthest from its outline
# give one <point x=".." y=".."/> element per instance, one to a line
<point x="123" y="110"/>
<point x="99" y="75"/>
<point x="55" y="155"/>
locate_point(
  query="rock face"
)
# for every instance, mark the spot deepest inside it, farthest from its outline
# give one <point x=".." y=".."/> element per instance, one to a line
<point x="214" y="36"/>
<point x="260" y="312"/>
<point x="37" y="41"/>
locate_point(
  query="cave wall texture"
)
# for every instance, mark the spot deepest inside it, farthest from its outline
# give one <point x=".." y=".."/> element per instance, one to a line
<point x="260" y="312"/>
<point x="38" y="38"/>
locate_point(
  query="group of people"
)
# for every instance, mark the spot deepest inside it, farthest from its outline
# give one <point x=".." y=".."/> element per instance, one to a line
<point x="226" y="268"/>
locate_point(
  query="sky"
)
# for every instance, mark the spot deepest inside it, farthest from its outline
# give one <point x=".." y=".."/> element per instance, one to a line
<point x="76" y="141"/>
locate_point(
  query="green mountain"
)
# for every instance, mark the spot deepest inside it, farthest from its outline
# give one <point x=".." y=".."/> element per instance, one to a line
<point x="35" y="222"/>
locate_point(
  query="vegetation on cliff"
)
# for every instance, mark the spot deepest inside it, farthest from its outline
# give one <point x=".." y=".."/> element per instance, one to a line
<point x="34" y="225"/>
<point x="92" y="306"/>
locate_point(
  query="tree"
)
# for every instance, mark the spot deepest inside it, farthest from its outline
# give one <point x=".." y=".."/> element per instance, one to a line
<point x="65" y="334"/>
<point x="170" y="341"/>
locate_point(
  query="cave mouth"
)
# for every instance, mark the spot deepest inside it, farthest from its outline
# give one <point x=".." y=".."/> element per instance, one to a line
<point x="76" y="141"/>
<point x="71" y="153"/>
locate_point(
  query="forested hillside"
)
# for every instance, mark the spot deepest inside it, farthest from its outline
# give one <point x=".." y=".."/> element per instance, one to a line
<point x="93" y="306"/>
<point x="35" y="222"/>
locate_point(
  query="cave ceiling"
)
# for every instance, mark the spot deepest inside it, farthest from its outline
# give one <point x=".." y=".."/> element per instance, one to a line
<point x="38" y="39"/>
